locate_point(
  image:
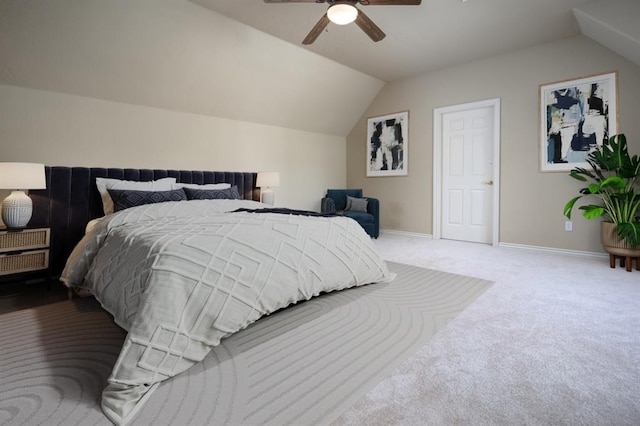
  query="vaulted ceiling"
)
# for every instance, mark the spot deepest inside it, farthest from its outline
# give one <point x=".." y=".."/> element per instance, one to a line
<point x="438" y="33"/>
<point x="614" y="24"/>
<point x="243" y="59"/>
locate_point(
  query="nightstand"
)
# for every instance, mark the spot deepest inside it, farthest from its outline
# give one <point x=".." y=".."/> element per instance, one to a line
<point x="24" y="267"/>
<point x="24" y="252"/>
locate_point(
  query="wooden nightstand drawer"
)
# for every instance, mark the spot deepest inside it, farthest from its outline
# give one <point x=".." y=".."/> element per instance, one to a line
<point x="27" y="239"/>
<point x="27" y="261"/>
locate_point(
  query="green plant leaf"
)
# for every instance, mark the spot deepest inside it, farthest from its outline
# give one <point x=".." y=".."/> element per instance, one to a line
<point x="582" y="174"/>
<point x="629" y="232"/>
<point x="593" y="188"/>
<point x="569" y="206"/>
<point x="613" y="182"/>
<point x="576" y="175"/>
<point x="591" y="211"/>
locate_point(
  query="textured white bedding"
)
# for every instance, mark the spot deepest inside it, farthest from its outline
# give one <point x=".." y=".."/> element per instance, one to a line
<point x="180" y="276"/>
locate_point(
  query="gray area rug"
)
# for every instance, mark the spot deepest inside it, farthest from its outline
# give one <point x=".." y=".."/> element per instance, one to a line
<point x="306" y="364"/>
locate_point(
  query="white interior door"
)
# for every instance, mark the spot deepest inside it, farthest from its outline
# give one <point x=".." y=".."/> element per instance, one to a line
<point x="468" y="174"/>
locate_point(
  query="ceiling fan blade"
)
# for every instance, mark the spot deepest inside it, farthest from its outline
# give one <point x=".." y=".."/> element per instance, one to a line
<point x="390" y="2"/>
<point x="367" y="25"/>
<point x="316" y="30"/>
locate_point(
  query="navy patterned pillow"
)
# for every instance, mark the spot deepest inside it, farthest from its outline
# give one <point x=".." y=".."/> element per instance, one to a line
<point x="212" y="194"/>
<point x="126" y="198"/>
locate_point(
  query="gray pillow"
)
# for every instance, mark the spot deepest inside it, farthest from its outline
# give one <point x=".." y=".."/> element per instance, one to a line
<point x="356" y="204"/>
<point x="213" y="194"/>
<point x="125" y="198"/>
<point x="104" y="184"/>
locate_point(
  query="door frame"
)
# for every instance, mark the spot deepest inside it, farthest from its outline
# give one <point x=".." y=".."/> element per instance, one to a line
<point x="437" y="163"/>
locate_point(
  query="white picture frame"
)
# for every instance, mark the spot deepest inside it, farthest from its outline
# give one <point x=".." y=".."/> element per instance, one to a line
<point x="576" y="116"/>
<point x="388" y="145"/>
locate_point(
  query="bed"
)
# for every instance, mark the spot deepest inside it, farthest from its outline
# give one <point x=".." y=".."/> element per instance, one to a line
<point x="181" y="275"/>
<point x="71" y="199"/>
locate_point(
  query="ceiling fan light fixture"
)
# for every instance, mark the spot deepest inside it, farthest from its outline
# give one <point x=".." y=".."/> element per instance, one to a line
<point x="342" y="14"/>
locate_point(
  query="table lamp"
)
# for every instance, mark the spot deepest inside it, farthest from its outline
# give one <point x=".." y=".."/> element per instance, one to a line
<point x="17" y="207"/>
<point x="266" y="181"/>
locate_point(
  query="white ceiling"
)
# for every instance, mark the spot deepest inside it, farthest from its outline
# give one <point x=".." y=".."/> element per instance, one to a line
<point x="435" y="35"/>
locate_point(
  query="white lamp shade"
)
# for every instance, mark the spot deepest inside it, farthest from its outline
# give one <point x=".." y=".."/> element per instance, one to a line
<point x="342" y="13"/>
<point x="268" y="179"/>
<point x="22" y="176"/>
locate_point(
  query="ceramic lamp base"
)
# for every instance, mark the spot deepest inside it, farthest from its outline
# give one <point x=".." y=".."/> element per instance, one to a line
<point x="268" y="197"/>
<point x="16" y="210"/>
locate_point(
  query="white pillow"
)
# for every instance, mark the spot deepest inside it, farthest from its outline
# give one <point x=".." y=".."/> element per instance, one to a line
<point x="205" y="186"/>
<point x="104" y="184"/>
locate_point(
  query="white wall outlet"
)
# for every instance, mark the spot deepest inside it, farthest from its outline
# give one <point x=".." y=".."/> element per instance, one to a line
<point x="568" y="226"/>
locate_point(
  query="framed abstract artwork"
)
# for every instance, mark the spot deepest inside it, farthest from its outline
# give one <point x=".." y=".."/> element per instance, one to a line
<point x="387" y="145"/>
<point x="576" y="116"/>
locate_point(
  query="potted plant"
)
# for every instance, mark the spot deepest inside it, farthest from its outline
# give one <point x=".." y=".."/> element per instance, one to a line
<point x="613" y="181"/>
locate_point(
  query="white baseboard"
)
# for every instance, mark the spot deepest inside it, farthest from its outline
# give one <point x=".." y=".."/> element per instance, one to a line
<point x="553" y="250"/>
<point x="509" y="245"/>
<point x="410" y="234"/>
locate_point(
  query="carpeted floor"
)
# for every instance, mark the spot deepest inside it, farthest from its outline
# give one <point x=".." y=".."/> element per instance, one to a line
<point x="554" y="341"/>
<point x="304" y="365"/>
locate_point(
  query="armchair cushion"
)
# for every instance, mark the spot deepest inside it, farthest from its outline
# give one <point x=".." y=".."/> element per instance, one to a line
<point x="339" y="196"/>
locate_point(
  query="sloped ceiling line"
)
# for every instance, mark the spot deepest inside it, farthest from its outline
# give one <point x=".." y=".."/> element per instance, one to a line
<point x="614" y="24"/>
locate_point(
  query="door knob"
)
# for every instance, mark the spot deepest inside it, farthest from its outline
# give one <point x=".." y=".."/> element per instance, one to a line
<point x="488" y="182"/>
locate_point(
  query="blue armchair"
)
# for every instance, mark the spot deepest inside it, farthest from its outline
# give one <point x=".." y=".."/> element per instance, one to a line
<point x="336" y="201"/>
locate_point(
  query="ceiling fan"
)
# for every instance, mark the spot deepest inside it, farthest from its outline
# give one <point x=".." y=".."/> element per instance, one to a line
<point x="344" y="12"/>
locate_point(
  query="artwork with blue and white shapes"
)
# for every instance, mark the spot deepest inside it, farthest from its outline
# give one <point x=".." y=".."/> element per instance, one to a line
<point x="576" y="117"/>
<point x="387" y="144"/>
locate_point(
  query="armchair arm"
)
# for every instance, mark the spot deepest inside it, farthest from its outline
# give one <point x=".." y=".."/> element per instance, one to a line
<point x="373" y="207"/>
<point x="327" y="205"/>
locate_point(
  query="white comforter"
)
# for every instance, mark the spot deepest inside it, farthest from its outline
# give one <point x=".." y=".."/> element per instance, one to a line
<point x="181" y="276"/>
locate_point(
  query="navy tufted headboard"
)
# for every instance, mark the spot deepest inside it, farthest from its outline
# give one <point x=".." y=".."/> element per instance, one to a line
<point x="71" y="199"/>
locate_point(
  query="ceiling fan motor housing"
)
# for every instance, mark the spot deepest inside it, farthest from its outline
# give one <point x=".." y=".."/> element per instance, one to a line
<point x="344" y="12"/>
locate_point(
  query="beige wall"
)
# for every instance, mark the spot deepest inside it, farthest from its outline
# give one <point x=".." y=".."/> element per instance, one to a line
<point x="170" y="84"/>
<point x="67" y="130"/>
<point x="531" y="202"/>
<point x="177" y="55"/>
